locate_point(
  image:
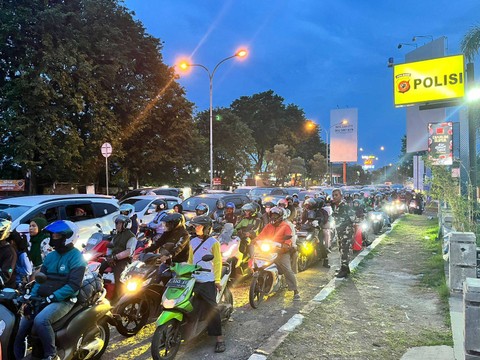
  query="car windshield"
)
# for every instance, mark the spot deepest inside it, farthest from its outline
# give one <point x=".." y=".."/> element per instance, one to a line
<point x="138" y="204"/>
<point x="242" y="191"/>
<point x="301" y="194"/>
<point x="14" y="210"/>
<point x="258" y="192"/>
<point x="191" y="203"/>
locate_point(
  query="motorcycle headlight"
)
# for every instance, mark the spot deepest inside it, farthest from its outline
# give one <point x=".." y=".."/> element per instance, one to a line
<point x="372" y="216"/>
<point x="132" y="285"/>
<point x="265" y="247"/>
<point x="307" y="247"/>
<point x="379" y="217"/>
<point x="364" y="226"/>
<point x="87" y="256"/>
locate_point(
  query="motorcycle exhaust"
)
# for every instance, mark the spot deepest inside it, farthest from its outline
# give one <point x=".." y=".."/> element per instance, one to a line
<point x="88" y="351"/>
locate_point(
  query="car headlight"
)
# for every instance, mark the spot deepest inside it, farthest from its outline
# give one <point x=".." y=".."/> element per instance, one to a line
<point x="87" y="256"/>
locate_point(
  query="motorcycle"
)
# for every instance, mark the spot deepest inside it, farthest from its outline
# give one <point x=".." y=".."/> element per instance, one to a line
<point x="376" y="221"/>
<point x="82" y="334"/>
<point x="307" y="247"/>
<point x="415" y="207"/>
<point x="230" y="249"/>
<point x="144" y="283"/>
<point x="266" y="279"/>
<point x="174" y="324"/>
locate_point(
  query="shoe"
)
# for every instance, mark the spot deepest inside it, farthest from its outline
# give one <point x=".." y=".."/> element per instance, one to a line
<point x="343" y="273"/>
<point x="325" y="264"/>
<point x="296" y="297"/>
<point x="220" y="347"/>
<point x="52" y="357"/>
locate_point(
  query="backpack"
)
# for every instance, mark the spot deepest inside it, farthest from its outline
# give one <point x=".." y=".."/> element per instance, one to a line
<point x="91" y="289"/>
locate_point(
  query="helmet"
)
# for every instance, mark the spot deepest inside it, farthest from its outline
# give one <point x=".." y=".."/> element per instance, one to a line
<point x="276" y="215"/>
<point x="230" y="205"/>
<point x="320" y="202"/>
<point x="173" y="221"/>
<point x="296" y="202"/>
<point x="295" y="195"/>
<point x="356" y="195"/>
<point x="286" y="214"/>
<point x="160" y="205"/>
<point x="269" y="204"/>
<point x="202" y="209"/>
<point x="310" y="204"/>
<point x="356" y="202"/>
<point x="127" y="223"/>
<point x="289" y="199"/>
<point x="5" y="215"/>
<point x="249" y="207"/>
<point x="220" y="204"/>
<point x="127" y="209"/>
<point x="282" y="203"/>
<point x="5" y="226"/>
<point x="67" y="229"/>
<point x="203" y="220"/>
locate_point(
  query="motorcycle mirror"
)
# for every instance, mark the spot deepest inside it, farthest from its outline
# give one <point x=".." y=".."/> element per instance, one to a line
<point x="208" y="257"/>
<point x="40" y="278"/>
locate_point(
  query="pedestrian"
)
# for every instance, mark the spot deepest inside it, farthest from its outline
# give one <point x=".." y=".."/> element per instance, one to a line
<point x="39" y="240"/>
<point x="344" y="227"/>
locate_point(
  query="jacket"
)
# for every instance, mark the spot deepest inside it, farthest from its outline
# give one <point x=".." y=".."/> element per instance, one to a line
<point x="179" y="239"/>
<point x="341" y="214"/>
<point x="8" y="262"/>
<point x="277" y="233"/>
<point x="64" y="272"/>
<point x="209" y="247"/>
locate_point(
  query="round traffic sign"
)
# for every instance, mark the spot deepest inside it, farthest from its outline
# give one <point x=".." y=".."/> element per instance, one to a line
<point x="106" y="149"/>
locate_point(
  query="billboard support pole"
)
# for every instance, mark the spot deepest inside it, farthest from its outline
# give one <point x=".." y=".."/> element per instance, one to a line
<point x="345" y="172"/>
<point x="472" y="137"/>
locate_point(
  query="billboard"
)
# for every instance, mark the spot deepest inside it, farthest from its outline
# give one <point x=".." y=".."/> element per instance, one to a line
<point x="440" y="148"/>
<point x="12" y="185"/>
<point x="429" y="80"/>
<point x="343" y="135"/>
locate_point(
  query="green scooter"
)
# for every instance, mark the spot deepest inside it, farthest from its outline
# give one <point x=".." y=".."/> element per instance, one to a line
<point x="178" y="322"/>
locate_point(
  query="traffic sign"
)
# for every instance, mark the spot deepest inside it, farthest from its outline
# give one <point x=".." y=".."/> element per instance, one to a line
<point x="106" y="149"/>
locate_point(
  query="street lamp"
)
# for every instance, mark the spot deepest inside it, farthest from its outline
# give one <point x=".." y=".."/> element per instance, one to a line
<point x="184" y="66"/>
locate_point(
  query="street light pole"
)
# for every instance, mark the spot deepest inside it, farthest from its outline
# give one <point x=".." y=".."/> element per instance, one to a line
<point x="184" y="66"/>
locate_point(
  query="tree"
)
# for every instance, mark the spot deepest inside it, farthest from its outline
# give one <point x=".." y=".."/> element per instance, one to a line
<point x="271" y="122"/>
<point x="317" y="167"/>
<point x="232" y="141"/>
<point x="471" y="43"/>
<point x="75" y="74"/>
<point x="279" y="161"/>
<point x="406" y="162"/>
<point x="297" y="167"/>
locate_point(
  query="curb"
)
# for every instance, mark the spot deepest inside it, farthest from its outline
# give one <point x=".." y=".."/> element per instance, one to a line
<point x="276" y="339"/>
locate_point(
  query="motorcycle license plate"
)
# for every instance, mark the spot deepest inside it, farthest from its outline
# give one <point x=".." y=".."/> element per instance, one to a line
<point x="177" y="283"/>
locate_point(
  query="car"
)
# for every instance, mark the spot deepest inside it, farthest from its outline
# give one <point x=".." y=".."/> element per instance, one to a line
<point x="244" y="189"/>
<point x="302" y="194"/>
<point x="191" y="203"/>
<point x="260" y="192"/>
<point x="98" y="211"/>
<point x="145" y="205"/>
<point x="294" y="190"/>
<point x="153" y="191"/>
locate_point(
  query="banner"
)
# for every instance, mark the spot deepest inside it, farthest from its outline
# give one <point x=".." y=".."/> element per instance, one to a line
<point x="429" y="80"/>
<point x="343" y="135"/>
<point x="440" y="148"/>
<point x="12" y="185"/>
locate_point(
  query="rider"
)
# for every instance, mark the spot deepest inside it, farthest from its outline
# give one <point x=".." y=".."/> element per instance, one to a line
<point x="279" y="231"/>
<point x="230" y="216"/>
<point x="344" y="226"/>
<point x="248" y="227"/>
<point x="265" y="217"/>
<point x="218" y="215"/>
<point x="120" y="251"/>
<point x="157" y="223"/>
<point x="207" y="283"/>
<point x="65" y="268"/>
<point x="292" y="208"/>
<point x="8" y="256"/>
<point x="129" y="211"/>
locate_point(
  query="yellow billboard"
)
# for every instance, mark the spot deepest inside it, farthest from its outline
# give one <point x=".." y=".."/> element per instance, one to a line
<point x="429" y="80"/>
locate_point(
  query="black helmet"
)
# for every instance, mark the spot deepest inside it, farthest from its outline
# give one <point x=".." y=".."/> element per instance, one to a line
<point x="269" y="204"/>
<point x="160" y="205"/>
<point x="202" y="209"/>
<point x="276" y="215"/>
<point x="310" y="204"/>
<point x="289" y="199"/>
<point x="220" y="204"/>
<point x="203" y="220"/>
<point x="173" y="221"/>
<point x="320" y="202"/>
<point x="5" y="215"/>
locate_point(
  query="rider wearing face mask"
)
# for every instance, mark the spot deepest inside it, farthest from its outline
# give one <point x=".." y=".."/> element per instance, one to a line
<point x="65" y="268"/>
<point x="248" y="227"/>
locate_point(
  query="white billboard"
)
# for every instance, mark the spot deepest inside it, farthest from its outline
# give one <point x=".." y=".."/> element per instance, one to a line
<point x="343" y="135"/>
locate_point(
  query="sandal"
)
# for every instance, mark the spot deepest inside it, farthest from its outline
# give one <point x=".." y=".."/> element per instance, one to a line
<point x="220" y="347"/>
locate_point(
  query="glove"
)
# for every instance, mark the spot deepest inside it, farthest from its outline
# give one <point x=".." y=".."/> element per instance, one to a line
<point x="27" y="297"/>
<point x="49" y="299"/>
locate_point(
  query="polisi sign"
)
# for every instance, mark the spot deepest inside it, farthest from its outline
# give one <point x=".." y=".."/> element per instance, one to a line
<point x="429" y="80"/>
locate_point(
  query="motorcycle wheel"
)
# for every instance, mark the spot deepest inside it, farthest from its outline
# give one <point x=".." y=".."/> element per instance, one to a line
<point x="302" y="262"/>
<point x="133" y="314"/>
<point x="166" y="340"/>
<point x="104" y="334"/>
<point x="256" y="293"/>
<point x="227" y="298"/>
<point x="377" y="228"/>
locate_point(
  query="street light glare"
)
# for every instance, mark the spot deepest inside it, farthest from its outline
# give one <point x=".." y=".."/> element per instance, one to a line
<point x="344" y="122"/>
<point x="242" y="53"/>
<point x="183" y="65"/>
<point x="473" y="94"/>
<point x="382" y="148"/>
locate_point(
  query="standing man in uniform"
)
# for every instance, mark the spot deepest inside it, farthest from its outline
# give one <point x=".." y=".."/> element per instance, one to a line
<point x="344" y="227"/>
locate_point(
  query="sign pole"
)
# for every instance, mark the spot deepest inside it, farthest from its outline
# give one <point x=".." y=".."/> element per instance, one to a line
<point x="106" y="150"/>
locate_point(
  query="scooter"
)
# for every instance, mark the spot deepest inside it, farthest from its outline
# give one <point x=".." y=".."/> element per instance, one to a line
<point x="307" y="247"/>
<point x="82" y="334"/>
<point x="377" y="221"/>
<point x="230" y="249"/>
<point x="144" y="283"/>
<point x="176" y="323"/>
<point x="266" y="279"/>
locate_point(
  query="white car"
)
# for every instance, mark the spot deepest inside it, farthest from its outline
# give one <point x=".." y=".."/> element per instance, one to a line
<point x="98" y="211"/>
<point x="145" y="205"/>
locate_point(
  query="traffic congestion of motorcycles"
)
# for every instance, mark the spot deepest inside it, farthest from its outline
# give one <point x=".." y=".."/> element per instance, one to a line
<point x="149" y="265"/>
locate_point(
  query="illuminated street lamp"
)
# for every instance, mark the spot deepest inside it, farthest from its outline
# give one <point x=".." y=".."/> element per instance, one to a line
<point x="184" y="65"/>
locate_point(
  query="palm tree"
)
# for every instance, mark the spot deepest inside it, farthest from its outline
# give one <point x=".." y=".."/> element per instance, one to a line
<point x="471" y="43"/>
